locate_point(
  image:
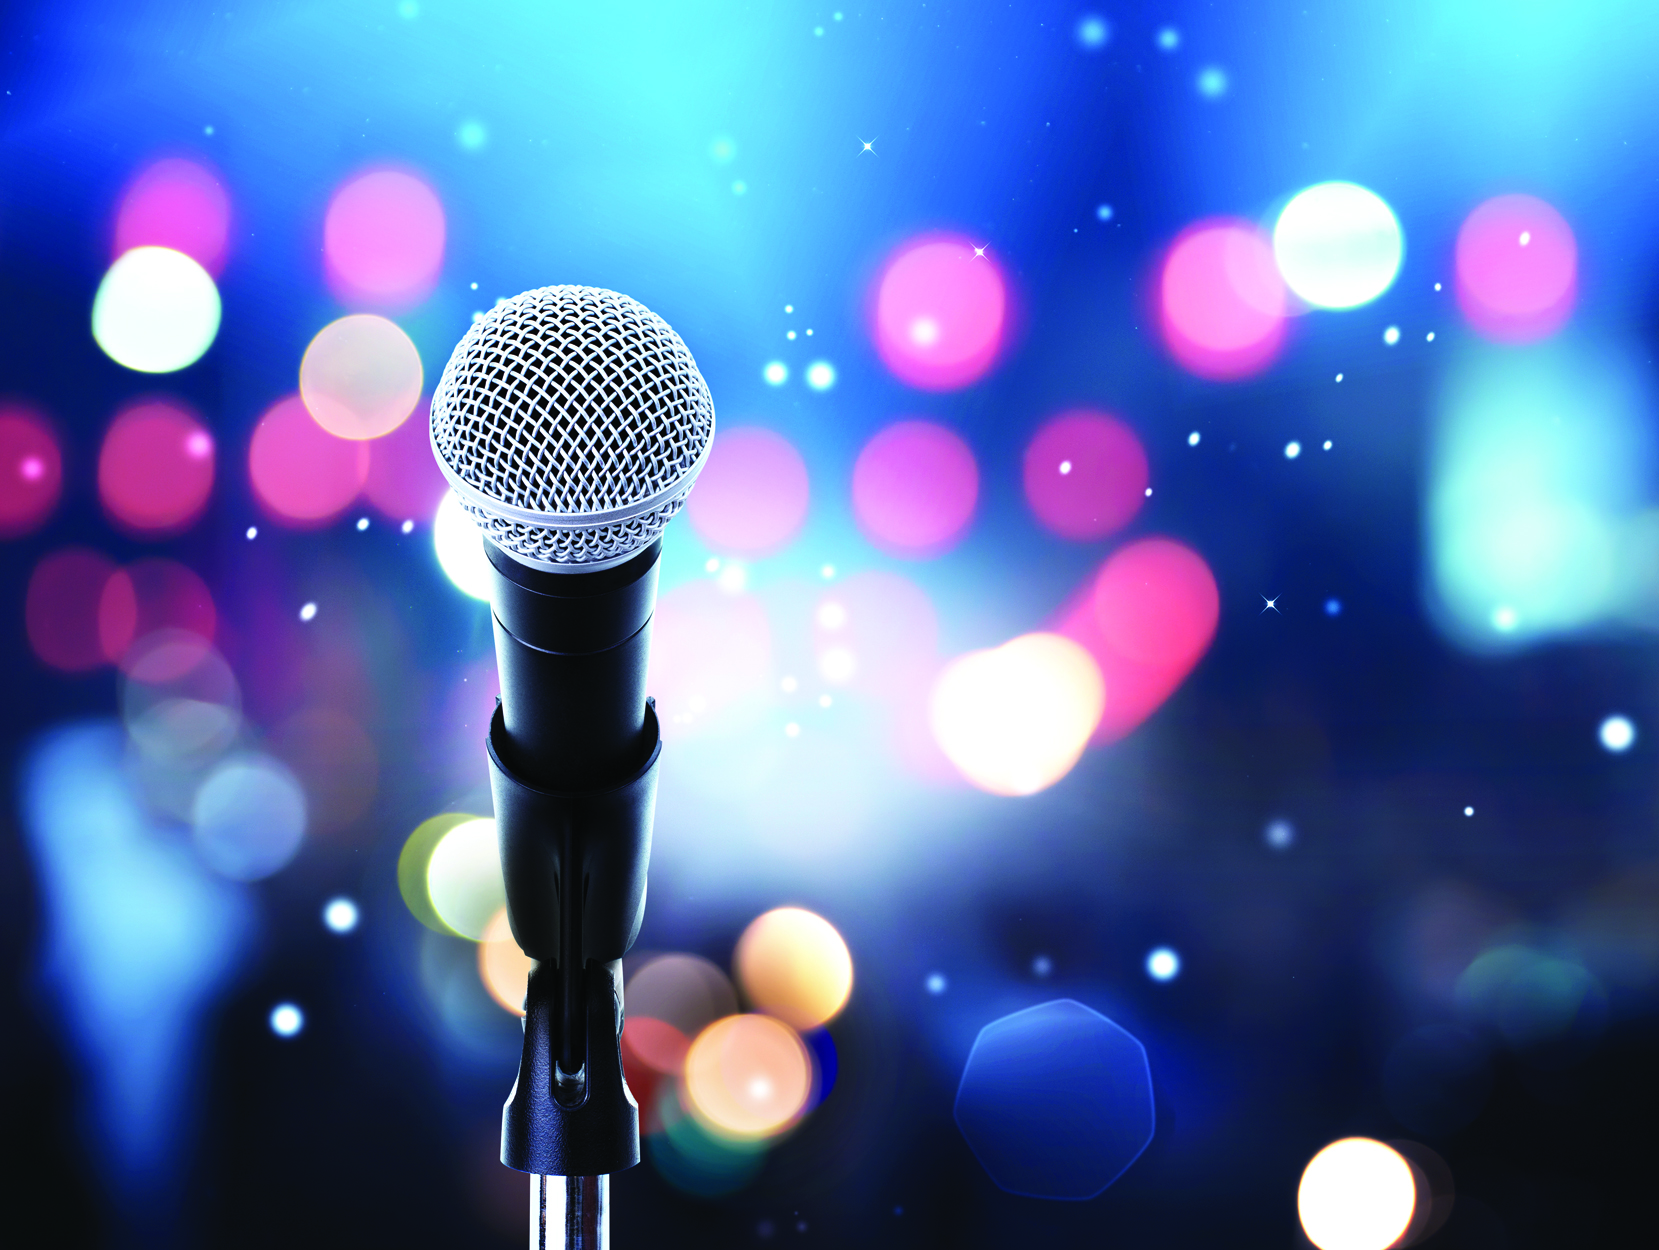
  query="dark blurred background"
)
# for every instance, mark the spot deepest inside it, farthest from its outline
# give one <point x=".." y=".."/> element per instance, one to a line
<point x="1130" y="571"/>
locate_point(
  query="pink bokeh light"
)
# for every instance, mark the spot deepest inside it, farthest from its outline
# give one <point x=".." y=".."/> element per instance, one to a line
<point x="915" y="485"/>
<point x="31" y="470"/>
<point x="179" y="204"/>
<point x="404" y="483"/>
<point x="1221" y="302"/>
<point x="710" y="650"/>
<point x="1517" y="269"/>
<point x="1147" y="618"/>
<point x="939" y="311"/>
<point x="383" y="240"/>
<point x="1085" y="474"/>
<point x="155" y="469"/>
<point x="302" y="475"/>
<point x="152" y="597"/>
<point x="751" y="498"/>
<point x="60" y="608"/>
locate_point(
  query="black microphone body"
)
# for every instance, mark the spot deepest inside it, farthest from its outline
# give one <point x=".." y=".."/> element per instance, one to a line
<point x="573" y="753"/>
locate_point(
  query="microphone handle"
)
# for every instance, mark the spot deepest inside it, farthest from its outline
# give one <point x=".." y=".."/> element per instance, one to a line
<point x="573" y="751"/>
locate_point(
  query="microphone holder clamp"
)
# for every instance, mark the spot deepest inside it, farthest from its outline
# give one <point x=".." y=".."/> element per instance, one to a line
<point x="575" y="866"/>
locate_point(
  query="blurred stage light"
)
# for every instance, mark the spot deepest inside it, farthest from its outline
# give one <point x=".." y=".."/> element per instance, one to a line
<point x="460" y="547"/>
<point x="776" y="373"/>
<point x="748" y="1076"/>
<point x="1085" y="474"/>
<point x="176" y="204"/>
<point x="301" y="474"/>
<point x="697" y="1160"/>
<point x="287" y="1020"/>
<point x="155" y="468"/>
<point x="1436" y="1079"/>
<point x="383" y="240"/>
<point x="1015" y="718"/>
<point x="31" y="470"/>
<point x="938" y="311"/>
<point x="711" y="653"/>
<point x="1221" y="301"/>
<point x="403" y="480"/>
<point x="1517" y="269"/>
<point x="1092" y="32"/>
<point x="1530" y="998"/>
<point x="249" y="817"/>
<point x="1356" y="1194"/>
<point x="1280" y="835"/>
<point x="792" y="964"/>
<point x="1212" y="82"/>
<point x="412" y="864"/>
<point x="1539" y="466"/>
<point x="360" y="377"/>
<point x="820" y="374"/>
<point x="340" y="915"/>
<point x="1055" y="1101"/>
<point x="463" y="878"/>
<point x="156" y="311"/>
<point x="915" y="485"/>
<point x="151" y="597"/>
<point x="1617" y="734"/>
<point x="1147" y="621"/>
<point x="1338" y="245"/>
<point x="1163" y="964"/>
<point x="751" y="498"/>
<point x="336" y="762"/>
<point x="936" y="983"/>
<point x="505" y="968"/>
<point x="61" y="609"/>
<point x="182" y="708"/>
<point x="685" y="993"/>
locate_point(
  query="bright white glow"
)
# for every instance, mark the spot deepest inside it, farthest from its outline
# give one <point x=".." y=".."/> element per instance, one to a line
<point x="1338" y="245"/>
<point x="1163" y="964"/>
<point x="792" y="730"/>
<point x="253" y="532"/>
<point x="924" y="331"/>
<point x="408" y="527"/>
<point x="340" y="915"/>
<point x="460" y="548"/>
<point x="287" y="1020"/>
<point x="1192" y="439"/>
<point x="1015" y="718"/>
<point x="1468" y="811"/>
<point x="1292" y="449"/>
<point x="820" y="375"/>
<point x="1539" y="500"/>
<point x="1617" y="733"/>
<point x="936" y="983"/>
<point x="837" y="665"/>
<point x="1327" y="444"/>
<point x="362" y="524"/>
<point x="463" y="878"/>
<point x="831" y="615"/>
<point x="1356" y="1194"/>
<point x="1103" y="212"/>
<point x="733" y="579"/>
<point x="1212" y="82"/>
<point x="1092" y="31"/>
<point x="827" y="572"/>
<point x="156" y="311"/>
<point x="1391" y="335"/>
<point x="1065" y="467"/>
<point x="776" y="373"/>
<point x="308" y="612"/>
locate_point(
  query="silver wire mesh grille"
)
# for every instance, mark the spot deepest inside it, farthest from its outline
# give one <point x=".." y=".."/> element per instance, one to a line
<point x="572" y="422"/>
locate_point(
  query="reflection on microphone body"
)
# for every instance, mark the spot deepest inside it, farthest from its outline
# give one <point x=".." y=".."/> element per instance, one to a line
<point x="572" y="422"/>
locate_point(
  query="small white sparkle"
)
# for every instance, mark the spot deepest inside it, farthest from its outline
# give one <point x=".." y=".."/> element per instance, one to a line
<point x="253" y="532"/>
<point x="1065" y="467"/>
<point x="1327" y="444"/>
<point x="1468" y="811"/>
<point x="980" y="251"/>
<point x="1391" y="335"/>
<point x="362" y="524"/>
<point x="870" y="147"/>
<point x="1149" y="492"/>
<point x="1430" y="337"/>
<point x="1292" y="449"/>
<point x="308" y="612"/>
<point x="1271" y="603"/>
<point x="1526" y="237"/>
<point x="408" y="527"/>
<point x="1339" y="377"/>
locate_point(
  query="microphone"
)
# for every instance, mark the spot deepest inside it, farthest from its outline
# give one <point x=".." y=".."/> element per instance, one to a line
<point x="571" y="422"/>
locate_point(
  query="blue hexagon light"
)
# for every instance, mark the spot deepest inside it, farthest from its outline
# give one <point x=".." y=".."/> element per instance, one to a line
<point x="1056" y="1101"/>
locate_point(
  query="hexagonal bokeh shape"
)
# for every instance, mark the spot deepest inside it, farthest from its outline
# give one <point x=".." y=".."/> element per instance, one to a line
<point x="1056" y="1101"/>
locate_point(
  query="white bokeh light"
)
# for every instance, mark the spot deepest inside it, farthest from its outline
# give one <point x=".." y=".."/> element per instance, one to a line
<point x="287" y="1020"/>
<point x="460" y="547"/>
<point x="463" y="878"/>
<point x="1015" y="718"/>
<point x="1356" y="1194"/>
<point x="1163" y="964"/>
<point x="156" y="310"/>
<point x="1617" y="734"/>
<point x="820" y="375"/>
<point x="340" y="915"/>
<point x="1338" y="245"/>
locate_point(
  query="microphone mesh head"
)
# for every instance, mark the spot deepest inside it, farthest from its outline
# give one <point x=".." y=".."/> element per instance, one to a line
<point x="571" y="421"/>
